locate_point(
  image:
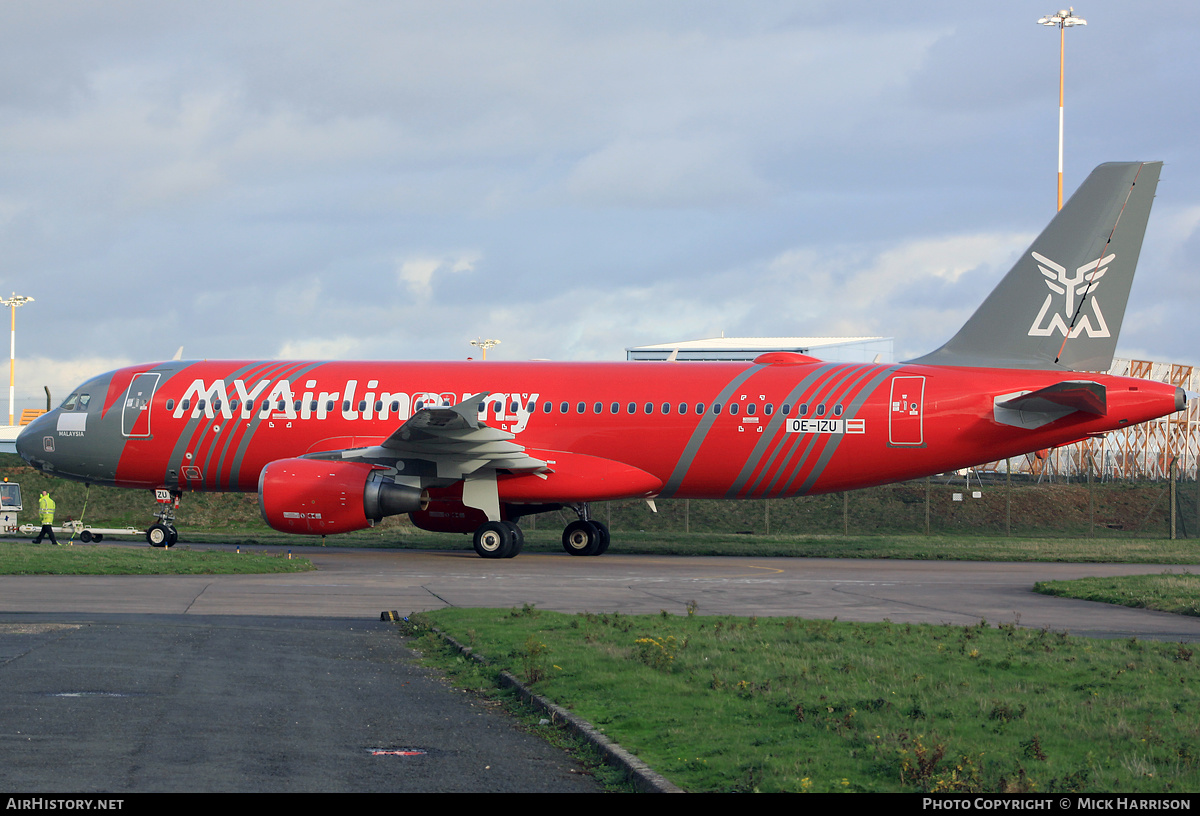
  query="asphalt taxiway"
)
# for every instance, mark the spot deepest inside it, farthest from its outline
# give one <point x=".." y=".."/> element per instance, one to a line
<point x="359" y="584"/>
<point x="291" y="682"/>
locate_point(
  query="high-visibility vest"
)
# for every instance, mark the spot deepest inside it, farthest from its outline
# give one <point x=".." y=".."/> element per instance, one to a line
<point x="46" y="509"/>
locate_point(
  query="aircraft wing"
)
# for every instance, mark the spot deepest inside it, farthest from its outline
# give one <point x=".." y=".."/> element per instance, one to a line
<point x="452" y="440"/>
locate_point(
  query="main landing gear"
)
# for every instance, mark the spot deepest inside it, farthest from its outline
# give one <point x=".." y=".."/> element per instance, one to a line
<point x="498" y="539"/>
<point x="504" y="539"/>
<point x="162" y="533"/>
<point x="585" y="536"/>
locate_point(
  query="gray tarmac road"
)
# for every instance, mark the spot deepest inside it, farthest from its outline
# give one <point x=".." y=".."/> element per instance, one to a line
<point x="290" y="682"/>
<point x="361" y="583"/>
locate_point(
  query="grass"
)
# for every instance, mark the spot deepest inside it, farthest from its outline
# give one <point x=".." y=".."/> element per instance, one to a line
<point x="1168" y="592"/>
<point x="23" y="558"/>
<point x="786" y="704"/>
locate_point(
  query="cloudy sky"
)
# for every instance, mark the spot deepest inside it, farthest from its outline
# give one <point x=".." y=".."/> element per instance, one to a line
<point x="388" y="180"/>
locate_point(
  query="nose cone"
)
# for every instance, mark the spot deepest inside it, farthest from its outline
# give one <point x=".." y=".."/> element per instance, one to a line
<point x="35" y="444"/>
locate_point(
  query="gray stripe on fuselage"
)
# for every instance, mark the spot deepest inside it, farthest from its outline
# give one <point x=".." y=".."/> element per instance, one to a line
<point x="857" y="403"/>
<point x="773" y="427"/>
<point x="701" y="432"/>
<point x="256" y="420"/>
<point x="843" y="375"/>
<point x="223" y="444"/>
<point x="186" y="439"/>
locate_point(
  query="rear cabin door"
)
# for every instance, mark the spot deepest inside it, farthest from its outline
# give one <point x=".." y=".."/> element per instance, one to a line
<point x="906" y="419"/>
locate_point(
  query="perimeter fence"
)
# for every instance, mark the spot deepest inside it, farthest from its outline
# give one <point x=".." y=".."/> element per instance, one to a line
<point x="984" y="504"/>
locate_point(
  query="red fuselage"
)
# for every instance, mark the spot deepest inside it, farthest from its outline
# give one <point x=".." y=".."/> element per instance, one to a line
<point x="700" y="430"/>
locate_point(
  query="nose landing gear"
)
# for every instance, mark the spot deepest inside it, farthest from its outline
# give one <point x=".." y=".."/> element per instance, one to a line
<point x="162" y="533"/>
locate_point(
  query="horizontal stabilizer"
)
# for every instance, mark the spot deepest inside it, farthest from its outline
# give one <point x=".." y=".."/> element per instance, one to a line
<point x="1062" y="304"/>
<point x="1033" y="409"/>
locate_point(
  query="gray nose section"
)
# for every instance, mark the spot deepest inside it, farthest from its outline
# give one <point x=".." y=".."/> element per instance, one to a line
<point x="32" y="444"/>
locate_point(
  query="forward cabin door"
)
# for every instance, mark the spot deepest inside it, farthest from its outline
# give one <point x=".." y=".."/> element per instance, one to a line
<point x="135" y="414"/>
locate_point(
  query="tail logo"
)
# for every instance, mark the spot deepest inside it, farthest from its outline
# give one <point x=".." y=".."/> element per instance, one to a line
<point x="1082" y="283"/>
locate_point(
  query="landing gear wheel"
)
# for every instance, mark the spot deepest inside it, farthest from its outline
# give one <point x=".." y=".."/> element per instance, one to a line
<point x="158" y="535"/>
<point x="581" y="538"/>
<point x="97" y="537"/>
<point x="604" y="538"/>
<point x="493" y="539"/>
<point x="518" y="539"/>
<point x="172" y="537"/>
<point x="86" y="536"/>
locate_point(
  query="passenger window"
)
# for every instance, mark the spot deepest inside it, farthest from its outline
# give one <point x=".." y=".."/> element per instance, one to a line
<point x="564" y="408"/>
<point x="821" y="410"/>
<point x="786" y="409"/>
<point x="615" y="408"/>
<point x="768" y="409"/>
<point x="547" y="408"/>
<point x="716" y="407"/>
<point x="649" y="406"/>
<point x="362" y="405"/>
<point x="837" y="409"/>
<point x="751" y="408"/>
<point x="632" y="407"/>
<point x="666" y="407"/>
<point x="395" y="406"/>
<point x="329" y="405"/>
<point x="598" y="408"/>
<point x="378" y="406"/>
<point x="700" y="408"/>
<point x="581" y="407"/>
<point x="170" y="404"/>
<point x="186" y="404"/>
<point x="683" y="407"/>
<point x="802" y="410"/>
<point x="733" y="408"/>
<point x="216" y="405"/>
<point x="200" y="405"/>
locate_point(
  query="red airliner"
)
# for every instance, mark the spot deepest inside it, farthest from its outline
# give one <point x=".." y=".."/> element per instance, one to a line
<point x="472" y="447"/>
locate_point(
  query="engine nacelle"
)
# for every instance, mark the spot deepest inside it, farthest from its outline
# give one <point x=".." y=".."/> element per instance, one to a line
<point x="323" y="497"/>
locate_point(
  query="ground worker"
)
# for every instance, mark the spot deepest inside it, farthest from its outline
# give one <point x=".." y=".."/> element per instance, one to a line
<point x="46" y="518"/>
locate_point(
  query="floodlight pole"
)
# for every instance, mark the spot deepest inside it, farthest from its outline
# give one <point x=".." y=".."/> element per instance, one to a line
<point x="13" y="302"/>
<point x="484" y="345"/>
<point x="1064" y="19"/>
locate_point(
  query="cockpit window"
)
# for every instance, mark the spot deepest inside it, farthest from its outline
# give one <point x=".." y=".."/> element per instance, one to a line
<point x="76" y="402"/>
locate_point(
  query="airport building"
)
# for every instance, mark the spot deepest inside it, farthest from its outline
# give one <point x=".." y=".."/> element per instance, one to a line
<point x="745" y="349"/>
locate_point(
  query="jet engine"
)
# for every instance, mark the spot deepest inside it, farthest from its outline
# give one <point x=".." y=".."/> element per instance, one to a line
<point x="323" y="497"/>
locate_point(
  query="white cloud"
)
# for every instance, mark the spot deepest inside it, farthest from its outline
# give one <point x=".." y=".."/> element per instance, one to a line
<point x="417" y="273"/>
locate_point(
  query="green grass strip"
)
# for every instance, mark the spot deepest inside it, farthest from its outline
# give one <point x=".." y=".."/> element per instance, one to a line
<point x="1168" y="592"/>
<point x="47" y="559"/>
<point x="787" y="704"/>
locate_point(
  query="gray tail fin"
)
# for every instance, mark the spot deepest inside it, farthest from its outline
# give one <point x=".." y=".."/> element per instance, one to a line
<point x="1061" y="305"/>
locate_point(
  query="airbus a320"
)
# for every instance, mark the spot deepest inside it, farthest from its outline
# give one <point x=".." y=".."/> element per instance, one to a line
<point x="472" y="447"/>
